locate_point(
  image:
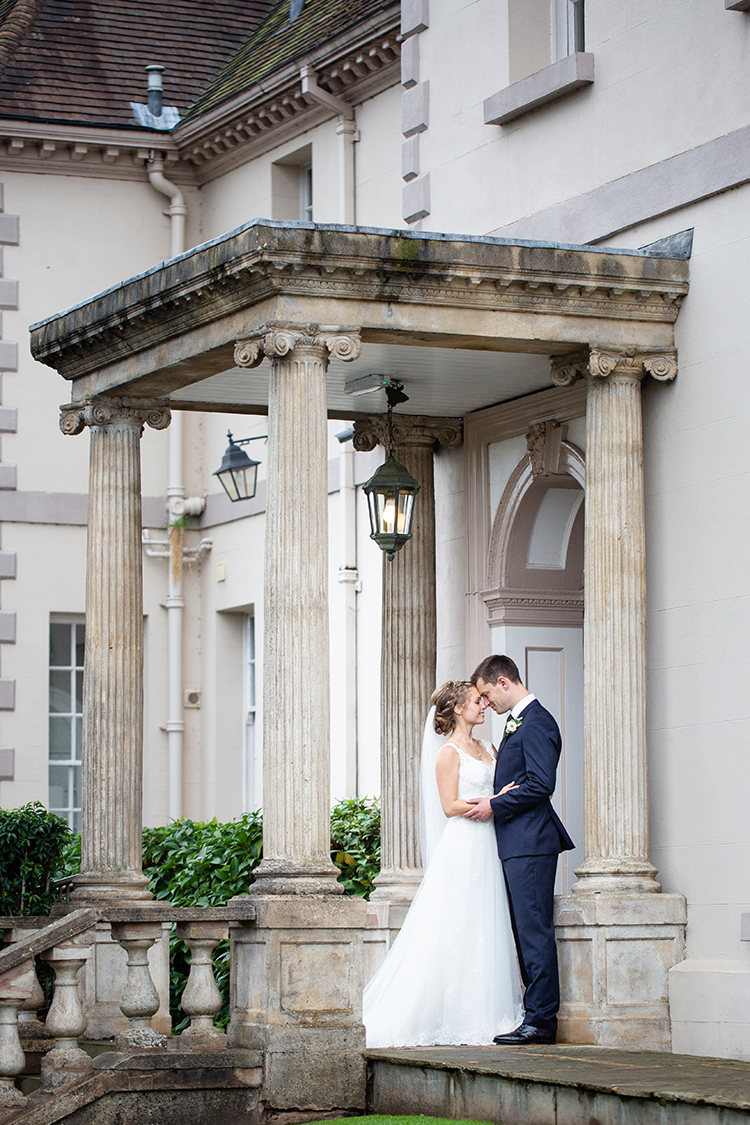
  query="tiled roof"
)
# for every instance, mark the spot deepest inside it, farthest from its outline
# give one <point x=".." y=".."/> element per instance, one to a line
<point x="279" y="41"/>
<point x="82" y="61"/>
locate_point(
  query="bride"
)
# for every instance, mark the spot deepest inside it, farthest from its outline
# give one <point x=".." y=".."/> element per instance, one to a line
<point x="451" y="975"/>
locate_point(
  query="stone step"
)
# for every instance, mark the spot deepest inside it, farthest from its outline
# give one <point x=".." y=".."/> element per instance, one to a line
<point x="567" y="1085"/>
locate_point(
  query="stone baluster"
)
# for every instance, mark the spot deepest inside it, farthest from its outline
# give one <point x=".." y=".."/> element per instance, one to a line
<point x="139" y="1000"/>
<point x="409" y="647"/>
<point x="616" y="788"/>
<point x="201" y="999"/>
<point x="112" y="778"/>
<point x="29" y="1027"/>
<point x="296" y="738"/>
<point x="16" y="986"/>
<point x="66" y="1019"/>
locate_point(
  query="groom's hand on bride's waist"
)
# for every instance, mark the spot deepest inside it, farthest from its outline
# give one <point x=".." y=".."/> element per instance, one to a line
<point x="482" y="809"/>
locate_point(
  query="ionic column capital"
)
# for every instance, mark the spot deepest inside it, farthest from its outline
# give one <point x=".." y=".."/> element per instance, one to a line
<point x="408" y="430"/>
<point x="276" y="340"/>
<point x="114" y="412"/>
<point x="620" y="362"/>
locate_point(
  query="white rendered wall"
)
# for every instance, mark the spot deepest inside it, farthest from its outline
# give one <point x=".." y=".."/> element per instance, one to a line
<point x="668" y="77"/>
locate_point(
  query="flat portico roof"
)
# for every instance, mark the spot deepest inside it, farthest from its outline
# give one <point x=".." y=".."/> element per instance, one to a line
<point x="466" y="321"/>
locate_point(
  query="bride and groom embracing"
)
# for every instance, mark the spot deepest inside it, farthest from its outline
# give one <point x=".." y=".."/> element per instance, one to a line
<point x="452" y="974"/>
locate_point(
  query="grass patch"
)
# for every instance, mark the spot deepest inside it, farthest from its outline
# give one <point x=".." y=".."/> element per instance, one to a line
<point x="383" y="1119"/>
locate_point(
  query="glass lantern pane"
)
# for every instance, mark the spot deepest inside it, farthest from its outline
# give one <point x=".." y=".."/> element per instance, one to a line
<point x="405" y="505"/>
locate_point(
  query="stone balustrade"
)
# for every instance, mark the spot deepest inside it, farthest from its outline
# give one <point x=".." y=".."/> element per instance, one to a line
<point x="66" y="943"/>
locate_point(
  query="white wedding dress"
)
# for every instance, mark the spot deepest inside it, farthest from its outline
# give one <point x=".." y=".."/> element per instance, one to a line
<point x="451" y="975"/>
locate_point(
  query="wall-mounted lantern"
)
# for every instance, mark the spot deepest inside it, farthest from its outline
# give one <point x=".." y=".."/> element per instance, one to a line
<point x="238" y="473"/>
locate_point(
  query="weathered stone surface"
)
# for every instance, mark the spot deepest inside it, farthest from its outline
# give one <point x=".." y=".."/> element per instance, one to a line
<point x="560" y="1086"/>
<point x="198" y="304"/>
<point x="297" y="978"/>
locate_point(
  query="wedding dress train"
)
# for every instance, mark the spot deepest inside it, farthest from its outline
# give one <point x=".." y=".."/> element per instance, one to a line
<point x="451" y="975"/>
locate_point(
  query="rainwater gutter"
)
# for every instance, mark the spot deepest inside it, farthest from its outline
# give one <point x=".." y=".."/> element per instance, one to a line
<point x="178" y="506"/>
<point x="346" y="130"/>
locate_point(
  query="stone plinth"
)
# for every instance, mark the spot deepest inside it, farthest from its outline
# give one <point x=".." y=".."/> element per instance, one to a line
<point x="615" y="953"/>
<point x="297" y="977"/>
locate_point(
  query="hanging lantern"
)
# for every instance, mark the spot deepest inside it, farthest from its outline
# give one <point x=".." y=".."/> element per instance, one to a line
<point x="391" y="489"/>
<point x="238" y="473"/>
<point x="390" y="495"/>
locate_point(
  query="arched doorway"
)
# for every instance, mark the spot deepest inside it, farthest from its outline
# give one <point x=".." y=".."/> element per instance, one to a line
<point x="534" y="601"/>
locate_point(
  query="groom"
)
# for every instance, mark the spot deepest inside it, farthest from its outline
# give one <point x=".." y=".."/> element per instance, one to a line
<point x="530" y="836"/>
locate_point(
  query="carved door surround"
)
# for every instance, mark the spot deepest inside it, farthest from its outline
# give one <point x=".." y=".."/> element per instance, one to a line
<point x="502" y="590"/>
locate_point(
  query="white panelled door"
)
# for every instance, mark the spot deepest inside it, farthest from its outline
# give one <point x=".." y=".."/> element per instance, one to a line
<point x="550" y="661"/>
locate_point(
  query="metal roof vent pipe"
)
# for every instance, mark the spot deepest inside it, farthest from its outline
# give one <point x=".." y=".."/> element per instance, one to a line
<point x="155" y="89"/>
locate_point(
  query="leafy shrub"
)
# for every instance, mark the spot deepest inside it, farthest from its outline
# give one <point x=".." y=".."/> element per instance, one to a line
<point x="355" y="843"/>
<point x="32" y="842"/>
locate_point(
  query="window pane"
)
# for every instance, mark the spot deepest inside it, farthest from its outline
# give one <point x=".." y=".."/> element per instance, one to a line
<point x="59" y="691"/>
<point x="75" y="821"/>
<point x="79" y="692"/>
<point x="59" y="645"/>
<point x="58" y="787"/>
<point x="59" y="737"/>
<point x="79" y="730"/>
<point x="76" y="772"/>
<point x="80" y="643"/>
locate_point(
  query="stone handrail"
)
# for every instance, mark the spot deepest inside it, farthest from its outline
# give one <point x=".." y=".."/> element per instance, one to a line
<point x="66" y="943"/>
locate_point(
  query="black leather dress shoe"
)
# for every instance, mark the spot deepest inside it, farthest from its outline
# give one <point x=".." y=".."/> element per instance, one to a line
<point x="524" y="1035"/>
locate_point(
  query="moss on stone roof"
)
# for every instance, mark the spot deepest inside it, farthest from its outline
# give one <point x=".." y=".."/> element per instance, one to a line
<point x="279" y="41"/>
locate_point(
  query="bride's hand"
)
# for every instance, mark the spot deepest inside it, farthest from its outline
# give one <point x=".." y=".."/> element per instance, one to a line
<point x="506" y="788"/>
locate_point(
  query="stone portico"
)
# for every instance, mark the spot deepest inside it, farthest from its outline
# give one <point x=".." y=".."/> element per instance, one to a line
<point x="271" y="318"/>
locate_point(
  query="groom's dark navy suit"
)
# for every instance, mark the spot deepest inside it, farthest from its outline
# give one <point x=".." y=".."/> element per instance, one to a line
<point x="530" y="835"/>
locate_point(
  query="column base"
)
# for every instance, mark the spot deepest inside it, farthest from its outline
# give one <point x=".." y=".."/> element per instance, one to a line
<point x="275" y="877"/>
<point x="616" y="876"/>
<point x="615" y="953"/>
<point x="297" y="989"/>
<point x="397" y="887"/>
<point x="128" y="886"/>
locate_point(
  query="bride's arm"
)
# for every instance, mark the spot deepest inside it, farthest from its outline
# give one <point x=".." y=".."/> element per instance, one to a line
<point x="446" y="771"/>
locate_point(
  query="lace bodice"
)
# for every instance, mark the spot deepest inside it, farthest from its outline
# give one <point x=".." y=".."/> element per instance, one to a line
<point x="475" y="777"/>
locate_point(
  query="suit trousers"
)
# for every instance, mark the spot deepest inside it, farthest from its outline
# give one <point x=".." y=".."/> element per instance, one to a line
<point x="530" y="880"/>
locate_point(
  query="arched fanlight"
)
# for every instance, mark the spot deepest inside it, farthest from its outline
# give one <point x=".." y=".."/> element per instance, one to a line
<point x="391" y="490"/>
<point x="238" y="473"/>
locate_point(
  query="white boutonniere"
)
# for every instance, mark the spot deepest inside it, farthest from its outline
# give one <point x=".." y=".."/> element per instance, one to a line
<point x="512" y="725"/>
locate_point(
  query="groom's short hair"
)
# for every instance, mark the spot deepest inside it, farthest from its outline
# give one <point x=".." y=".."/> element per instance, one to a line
<point x="492" y="667"/>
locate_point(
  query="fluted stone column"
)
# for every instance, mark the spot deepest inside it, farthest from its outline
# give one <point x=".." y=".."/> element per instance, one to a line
<point x="617" y="937"/>
<point x="297" y="971"/>
<point x="296" y="669"/>
<point x="409" y="647"/>
<point x="112" y="754"/>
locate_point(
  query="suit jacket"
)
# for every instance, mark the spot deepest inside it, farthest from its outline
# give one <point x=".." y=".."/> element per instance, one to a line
<point x="525" y="822"/>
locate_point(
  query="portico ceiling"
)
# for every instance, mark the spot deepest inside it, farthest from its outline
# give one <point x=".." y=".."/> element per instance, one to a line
<point x="465" y="322"/>
<point x="441" y="382"/>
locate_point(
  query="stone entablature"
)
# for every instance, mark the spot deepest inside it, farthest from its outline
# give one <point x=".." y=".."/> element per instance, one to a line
<point x="373" y="271"/>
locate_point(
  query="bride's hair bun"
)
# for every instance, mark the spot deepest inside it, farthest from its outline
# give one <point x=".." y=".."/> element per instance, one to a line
<point x="453" y="693"/>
